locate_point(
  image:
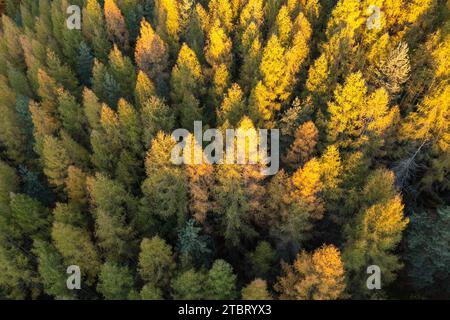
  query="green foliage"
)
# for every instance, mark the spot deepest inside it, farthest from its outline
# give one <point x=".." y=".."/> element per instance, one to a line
<point x="156" y="262"/>
<point x="189" y="285"/>
<point x="115" y="282"/>
<point x="428" y="258"/>
<point x="193" y="246"/>
<point x="256" y="290"/>
<point x="221" y="282"/>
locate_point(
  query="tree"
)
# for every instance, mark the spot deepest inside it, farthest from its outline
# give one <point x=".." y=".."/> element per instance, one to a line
<point x="186" y="84"/>
<point x="51" y="270"/>
<point x="113" y="207"/>
<point x="189" y="285"/>
<point x="144" y="90"/>
<point x="94" y="29"/>
<point x="395" y="71"/>
<point x="233" y="106"/>
<point x="262" y="259"/>
<point x="77" y="248"/>
<point x="11" y="135"/>
<point x="346" y="109"/>
<point x="122" y="70"/>
<point x="166" y="187"/>
<point x="156" y="116"/>
<point x="56" y="161"/>
<point x="29" y="214"/>
<point x="303" y="147"/>
<point x="76" y="186"/>
<point x="85" y="63"/>
<point x="106" y="142"/>
<point x="307" y="188"/>
<point x="375" y="232"/>
<point x="16" y="276"/>
<point x="167" y="16"/>
<point x="221" y="282"/>
<point x="149" y="292"/>
<point x="316" y="276"/>
<point x="115" y="25"/>
<point x="92" y="108"/>
<point x="115" y="282"/>
<point x="427" y="257"/>
<point x="72" y="116"/>
<point x="256" y="290"/>
<point x="156" y="262"/>
<point x="151" y="53"/>
<point x="193" y="246"/>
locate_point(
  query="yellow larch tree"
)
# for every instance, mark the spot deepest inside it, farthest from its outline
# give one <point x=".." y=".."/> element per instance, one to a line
<point x="316" y="276"/>
<point x="151" y="52"/>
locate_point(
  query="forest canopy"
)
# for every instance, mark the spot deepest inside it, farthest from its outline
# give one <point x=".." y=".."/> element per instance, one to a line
<point x="359" y="90"/>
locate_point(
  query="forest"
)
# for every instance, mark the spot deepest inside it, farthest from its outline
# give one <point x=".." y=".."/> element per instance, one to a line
<point x="360" y="206"/>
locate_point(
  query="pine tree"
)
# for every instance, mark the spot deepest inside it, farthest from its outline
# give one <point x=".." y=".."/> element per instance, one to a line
<point x="72" y="117"/>
<point x="262" y="259"/>
<point x="76" y="186"/>
<point x="11" y="135"/>
<point x="167" y="20"/>
<point x="150" y="292"/>
<point x="165" y="189"/>
<point x="308" y="187"/>
<point x="92" y="108"/>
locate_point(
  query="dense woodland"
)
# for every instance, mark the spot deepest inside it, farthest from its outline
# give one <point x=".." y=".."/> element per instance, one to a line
<point x="86" y="118"/>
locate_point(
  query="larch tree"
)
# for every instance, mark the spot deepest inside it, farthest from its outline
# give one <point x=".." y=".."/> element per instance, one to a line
<point x="375" y="232"/>
<point x="221" y="281"/>
<point x="316" y="276"/>
<point x="189" y="285"/>
<point x="303" y="147"/>
<point x="113" y="208"/>
<point x="156" y="262"/>
<point x="94" y="29"/>
<point x="123" y="71"/>
<point x="144" y="89"/>
<point x="186" y="87"/>
<point x="115" y="25"/>
<point x="256" y="290"/>
<point x="151" y="53"/>
<point x="167" y="21"/>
